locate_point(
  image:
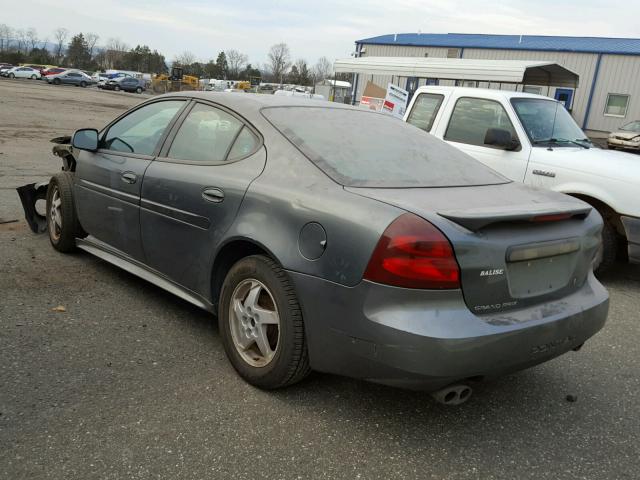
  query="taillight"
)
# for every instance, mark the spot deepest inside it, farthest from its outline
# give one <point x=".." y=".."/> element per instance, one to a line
<point x="412" y="253"/>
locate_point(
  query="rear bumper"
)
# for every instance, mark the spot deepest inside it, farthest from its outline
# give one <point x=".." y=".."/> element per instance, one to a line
<point x="632" y="229"/>
<point x="429" y="339"/>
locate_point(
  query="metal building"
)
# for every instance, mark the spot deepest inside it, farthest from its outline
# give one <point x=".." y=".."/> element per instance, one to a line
<point x="608" y="94"/>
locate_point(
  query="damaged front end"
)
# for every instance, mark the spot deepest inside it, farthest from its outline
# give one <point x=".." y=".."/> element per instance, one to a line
<point x="31" y="193"/>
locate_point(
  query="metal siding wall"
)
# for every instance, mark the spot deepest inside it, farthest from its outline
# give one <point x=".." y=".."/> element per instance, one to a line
<point x="581" y="63"/>
<point x="618" y="74"/>
<point x="394" y="51"/>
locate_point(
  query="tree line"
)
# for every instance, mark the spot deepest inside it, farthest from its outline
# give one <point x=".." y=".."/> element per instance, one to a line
<point x="82" y="51"/>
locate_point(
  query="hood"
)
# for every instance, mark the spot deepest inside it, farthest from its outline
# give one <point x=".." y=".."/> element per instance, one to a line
<point x="612" y="164"/>
<point x="625" y="135"/>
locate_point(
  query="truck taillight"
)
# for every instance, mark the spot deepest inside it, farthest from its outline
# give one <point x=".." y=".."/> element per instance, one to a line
<point x="412" y="253"/>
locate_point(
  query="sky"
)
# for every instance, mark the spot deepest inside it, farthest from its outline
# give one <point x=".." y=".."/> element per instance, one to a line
<point x="310" y="28"/>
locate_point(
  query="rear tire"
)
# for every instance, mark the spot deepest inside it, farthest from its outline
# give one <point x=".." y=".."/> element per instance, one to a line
<point x="62" y="222"/>
<point x="139" y="90"/>
<point x="57" y="81"/>
<point x="117" y="88"/>
<point x="260" y="282"/>
<point x="33" y="77"/>
<point x="11" y="75"/>
<point x="83" y="84"/>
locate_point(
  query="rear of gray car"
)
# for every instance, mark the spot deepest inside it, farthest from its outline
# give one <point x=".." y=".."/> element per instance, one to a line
<point x="524" y="293"/>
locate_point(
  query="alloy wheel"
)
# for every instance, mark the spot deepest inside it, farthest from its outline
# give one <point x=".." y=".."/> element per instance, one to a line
<point x="254" y="323"/>
<point x="55" y="215"/>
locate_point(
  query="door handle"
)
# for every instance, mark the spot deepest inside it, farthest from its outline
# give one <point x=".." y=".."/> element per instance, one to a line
<point x="544" y="173"/>
<point x="214" y="195"/>
<point x="129" y="177"/>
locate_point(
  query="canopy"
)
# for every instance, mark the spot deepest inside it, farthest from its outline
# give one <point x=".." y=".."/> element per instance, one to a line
<point x="528" y="72"/>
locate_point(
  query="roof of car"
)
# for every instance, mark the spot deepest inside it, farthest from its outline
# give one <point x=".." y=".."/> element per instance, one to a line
<point x="484" y="92"/>
<point x="247" y="103"/>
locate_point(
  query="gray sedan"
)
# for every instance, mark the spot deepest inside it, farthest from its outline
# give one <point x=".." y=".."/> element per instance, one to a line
<point x="331" y="238"/>
<point x="70" y="77"/>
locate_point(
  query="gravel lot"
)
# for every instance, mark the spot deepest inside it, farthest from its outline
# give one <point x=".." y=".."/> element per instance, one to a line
<point x="131" y="382"/>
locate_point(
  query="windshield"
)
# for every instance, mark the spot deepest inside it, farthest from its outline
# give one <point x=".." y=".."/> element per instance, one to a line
<point x="547" y="121"/>
<point x="632" y="127"/>
<point x="361" y="148"/>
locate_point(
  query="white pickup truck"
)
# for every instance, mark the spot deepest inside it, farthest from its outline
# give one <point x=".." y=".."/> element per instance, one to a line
<point x="533" y="139"/>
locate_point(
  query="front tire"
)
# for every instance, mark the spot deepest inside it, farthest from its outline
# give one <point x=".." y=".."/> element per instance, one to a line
<point x="62" y="222"/>
<point x="610" y="248"/>
<point x="33" y="77"/>
<point x="57" y="81"/>
<point x="11" y="75"/>
<point x="139" y="90"/>
<point x="83" y="84"/>
<point x="117" y="88"/>
<point x="261" y="324"/>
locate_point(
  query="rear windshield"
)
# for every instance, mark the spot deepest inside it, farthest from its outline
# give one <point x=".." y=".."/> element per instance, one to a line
<point x="367" y="149"/>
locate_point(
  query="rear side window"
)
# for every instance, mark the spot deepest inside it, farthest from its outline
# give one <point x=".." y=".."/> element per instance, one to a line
<point x="424" y="110"/>
<point x="206" y="135"/>
<point x="472" y="117"/>
<point x="245" y="144"/>
<point x="360" y="148"/>
<point x="140" y="131"/>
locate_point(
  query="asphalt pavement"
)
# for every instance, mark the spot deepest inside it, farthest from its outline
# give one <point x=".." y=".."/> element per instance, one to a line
<point x="104" y="376"/>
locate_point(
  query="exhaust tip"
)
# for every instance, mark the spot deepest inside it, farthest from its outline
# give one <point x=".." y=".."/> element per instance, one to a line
<point x="453" y="394"/>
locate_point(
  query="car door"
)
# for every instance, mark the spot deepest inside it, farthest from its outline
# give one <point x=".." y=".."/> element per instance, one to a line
<point x="22" y="73"/>
<point x="468" y="123"/>
<point x="192" y="192"/>
<point x="108" y="182"/>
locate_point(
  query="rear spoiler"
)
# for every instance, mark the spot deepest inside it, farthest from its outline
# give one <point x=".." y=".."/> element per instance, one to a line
<point x="477" y="218"/>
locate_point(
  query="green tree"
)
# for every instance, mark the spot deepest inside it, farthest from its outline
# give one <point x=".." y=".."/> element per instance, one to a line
<point x="78" y="55"/>
<point x="40" y="56"/>
<point x="223" y="67"/>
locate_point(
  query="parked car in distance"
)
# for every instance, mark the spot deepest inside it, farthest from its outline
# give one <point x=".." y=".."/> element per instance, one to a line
<point x="626" y="137"/>
<point x="23" y="72"/>
<point x="127" y="84"/>
<point x="52" y="71"/>
<point x="331" y="238"/>
<point x="4" y="68"/>
<point x="70" y="77"/>
<point x="533" y="139"/>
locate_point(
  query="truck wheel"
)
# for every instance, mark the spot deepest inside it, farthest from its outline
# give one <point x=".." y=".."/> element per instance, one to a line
<point x="261" y="324"/>
<point x="609" y="246"/>
<point x="62" y="221"/>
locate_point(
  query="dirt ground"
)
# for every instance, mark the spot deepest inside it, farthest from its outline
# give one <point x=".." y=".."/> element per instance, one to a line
<point x="130" y="382"/>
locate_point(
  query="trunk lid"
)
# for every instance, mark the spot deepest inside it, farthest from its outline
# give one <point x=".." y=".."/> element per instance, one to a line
<point x="516" y="246"/>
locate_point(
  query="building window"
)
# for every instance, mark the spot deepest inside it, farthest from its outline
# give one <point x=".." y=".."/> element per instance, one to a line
<point x="532" y="89"/>
<point x="616" y="105"/>
<point x="453" y="53"/>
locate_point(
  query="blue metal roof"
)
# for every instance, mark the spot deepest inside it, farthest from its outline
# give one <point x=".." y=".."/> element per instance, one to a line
<point x="620" y="46"/>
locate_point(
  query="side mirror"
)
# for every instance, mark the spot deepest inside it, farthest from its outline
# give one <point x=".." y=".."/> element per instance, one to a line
<point x="501" y="138"/>
<point x="85" y="139"/>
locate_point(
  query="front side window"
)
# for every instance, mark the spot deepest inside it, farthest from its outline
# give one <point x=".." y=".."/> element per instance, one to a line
<point x="206" y="135"/>
<point x="140" y="131"/>
<point x="616" y="105"/>
<point x="548" y="122"/>
<point x="424" y="110"/>
<point x="472" y="117"/>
